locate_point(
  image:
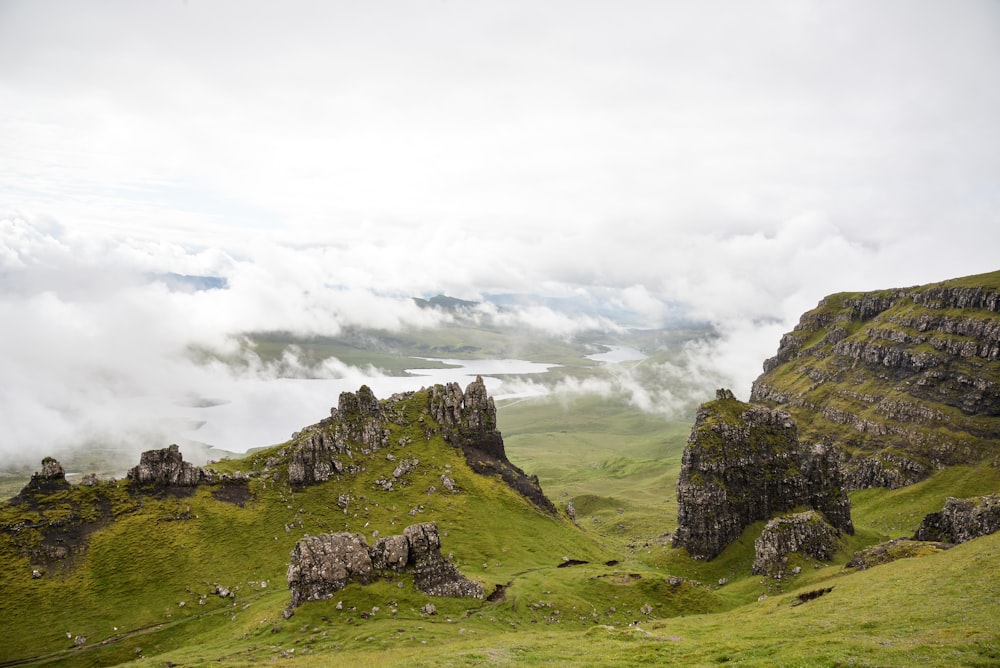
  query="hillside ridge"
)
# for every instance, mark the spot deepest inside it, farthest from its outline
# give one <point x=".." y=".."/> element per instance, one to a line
<point x="904" y="381"/>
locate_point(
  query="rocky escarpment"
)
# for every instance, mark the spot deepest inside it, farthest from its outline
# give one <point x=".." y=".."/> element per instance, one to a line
<point x="904" y="381"/>
<point x="744" y="463"/>
<point x="961" y="520"/>
<point x="322" y="565"/>
<point x="806" y="533"/>
<point x="469" y="421"/>
<point x="361" y="425"/>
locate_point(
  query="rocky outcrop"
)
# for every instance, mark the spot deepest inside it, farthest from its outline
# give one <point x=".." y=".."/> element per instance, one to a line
<point x="362" y="425"/>
<point x="358" y="425"/>
<point x="322" y="565"/>
<point x="51" y="479"/>
<point x="890" y="551"/>
<point x="468" y="420"/>
<point x="961" y="520"/>
<point x="167" y="468"/>
<point x="744" y="463"/>
<point x="806" y="533"/>
<point x="904" y="381"/>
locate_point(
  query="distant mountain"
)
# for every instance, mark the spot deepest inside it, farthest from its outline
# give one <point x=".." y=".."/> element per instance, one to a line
<point x="446" y="303"/>
<point x="905" y="381"/>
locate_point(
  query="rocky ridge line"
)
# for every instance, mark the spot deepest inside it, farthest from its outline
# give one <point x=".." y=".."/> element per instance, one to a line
<point x="361" y="425"/>
<point x="905" y="381"/>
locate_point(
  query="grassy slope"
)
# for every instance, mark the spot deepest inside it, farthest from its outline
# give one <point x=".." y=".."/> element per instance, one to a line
<point x="618" y="467"/>
<point x="934" y="610"/>
<point x="865" y="390"/>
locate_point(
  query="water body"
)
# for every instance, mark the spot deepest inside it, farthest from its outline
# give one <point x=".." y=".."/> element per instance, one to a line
<point x="616" y="354"/>
<point x="267" y="411"/>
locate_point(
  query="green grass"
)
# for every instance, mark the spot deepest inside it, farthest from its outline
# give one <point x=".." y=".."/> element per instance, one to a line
<point x="617" y="466"/>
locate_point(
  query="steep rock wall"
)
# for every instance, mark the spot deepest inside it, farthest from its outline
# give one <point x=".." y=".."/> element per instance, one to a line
<point x="744" y="463"/>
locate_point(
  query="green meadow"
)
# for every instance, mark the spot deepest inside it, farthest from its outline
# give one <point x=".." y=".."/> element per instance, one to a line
<point x="152" y="581"/>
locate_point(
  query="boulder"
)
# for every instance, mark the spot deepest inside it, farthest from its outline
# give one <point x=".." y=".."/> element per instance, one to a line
<point x="322" y="565"/>
<point x="961" y="520"/>
<point x="806" y="533"/>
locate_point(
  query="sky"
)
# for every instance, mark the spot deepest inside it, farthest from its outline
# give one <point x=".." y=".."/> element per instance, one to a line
<point x="330" y="160"/>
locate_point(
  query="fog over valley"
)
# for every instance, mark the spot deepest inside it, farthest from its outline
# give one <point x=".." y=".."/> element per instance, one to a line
<point x="181" y="181"/>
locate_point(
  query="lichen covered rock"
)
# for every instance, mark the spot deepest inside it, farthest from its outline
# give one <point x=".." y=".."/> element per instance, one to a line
<point x="744" y="463"/>
<point x="806" y="533"/>
<point x="962" y="520"/>
<point x="322" y="565"/>
<point x="890" y="551"/>
<point x="167" y="468"/>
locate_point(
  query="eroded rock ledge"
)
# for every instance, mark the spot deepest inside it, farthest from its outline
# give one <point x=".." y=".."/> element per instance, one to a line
<point x="905" y="381"/>
<point x="744" y="463"/>
<point x="322" y="565"/>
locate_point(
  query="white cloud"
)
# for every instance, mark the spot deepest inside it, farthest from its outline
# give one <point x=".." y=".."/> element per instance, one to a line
<point x="332" y="160"/>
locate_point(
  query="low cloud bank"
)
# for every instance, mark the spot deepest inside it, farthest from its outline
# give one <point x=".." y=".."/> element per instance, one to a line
<point x="102" y="346"/>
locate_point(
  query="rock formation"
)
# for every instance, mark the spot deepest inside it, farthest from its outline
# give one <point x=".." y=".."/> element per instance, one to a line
<point x="744" y="463"/>
<point x="890" y="551"/>
<point x="357" y="425"/>
<point x="322" y="565"/>
<point x="469" y="421"/>
<point x="52" y="478"/>
<point x="903" y="381"/>
<point x="961" y="520"/>
<point x="167" y="468"/>
<point x="362" y="425"/>
<point x="806" y="533"/>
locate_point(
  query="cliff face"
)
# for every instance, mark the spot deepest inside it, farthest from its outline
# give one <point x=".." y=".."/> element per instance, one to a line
<point x="903" y="381"/>
<point x="744" y="463"/>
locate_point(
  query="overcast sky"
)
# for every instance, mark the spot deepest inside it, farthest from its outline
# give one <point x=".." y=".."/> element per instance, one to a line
<point x="331" y="159"/>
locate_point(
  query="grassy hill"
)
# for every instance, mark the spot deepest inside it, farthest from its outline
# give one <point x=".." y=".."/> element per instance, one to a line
<point x="124" y="592"/>
<point x="905" y="381"/>
<point x="198" y="577"/>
